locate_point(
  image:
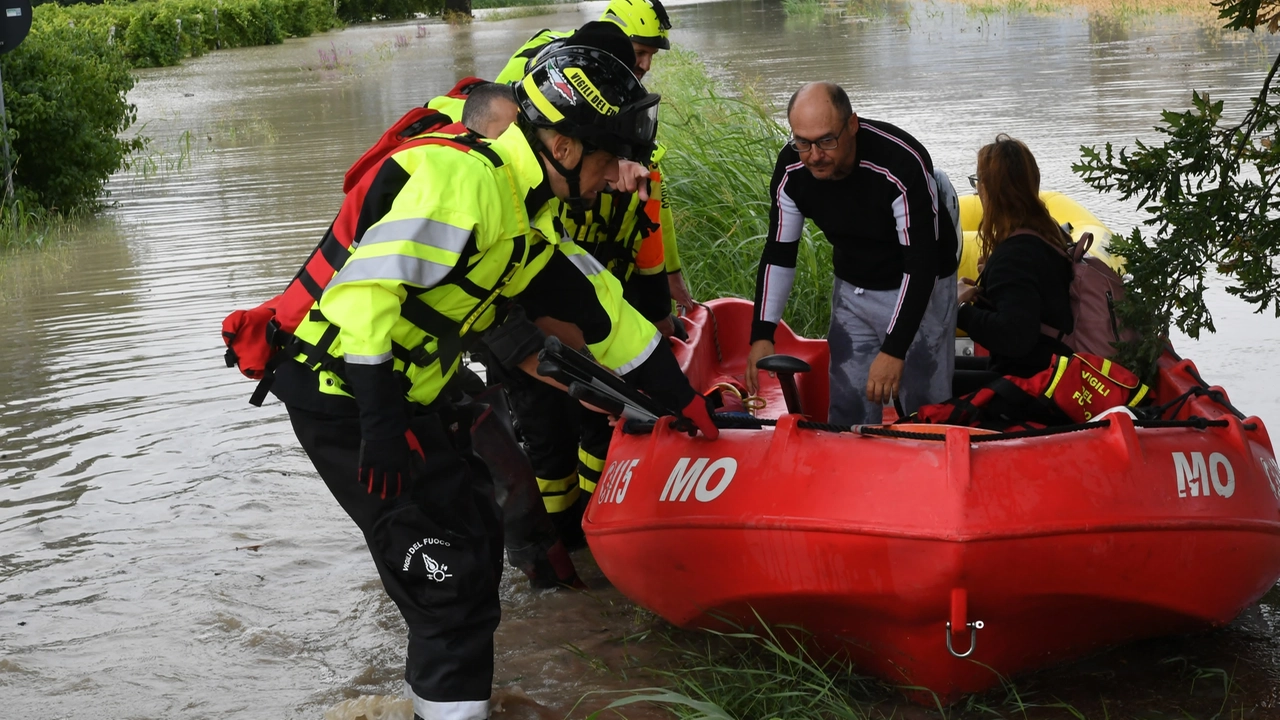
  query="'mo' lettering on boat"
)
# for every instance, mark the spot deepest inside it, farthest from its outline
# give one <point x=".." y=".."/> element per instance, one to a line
<point x="616" y="481"/>
<point x="1195" y="475"/>
<point x="698" y="477"/>
<point x="1272" y="470"/>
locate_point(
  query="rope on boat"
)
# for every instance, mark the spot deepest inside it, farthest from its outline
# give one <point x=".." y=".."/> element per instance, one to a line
<point x="1197" y="423"/>
<point x="743" y="421"/>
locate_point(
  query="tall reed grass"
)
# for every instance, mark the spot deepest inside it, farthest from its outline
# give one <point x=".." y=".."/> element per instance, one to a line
<point x="26" y="226"/>
<point x="804" y="8"/>
<point x="776" y="673"/>
<point x="722" y="144"/>
<point x="745" y="676"/>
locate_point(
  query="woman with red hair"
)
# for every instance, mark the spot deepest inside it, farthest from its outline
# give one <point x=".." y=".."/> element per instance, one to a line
<point x="1025" y="282"/>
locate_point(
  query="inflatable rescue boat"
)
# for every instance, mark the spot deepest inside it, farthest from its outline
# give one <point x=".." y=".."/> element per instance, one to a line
<point x="938" y="557"/>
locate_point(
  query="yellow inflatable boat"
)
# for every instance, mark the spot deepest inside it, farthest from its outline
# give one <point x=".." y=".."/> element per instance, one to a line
<point x="1062" y="208"/>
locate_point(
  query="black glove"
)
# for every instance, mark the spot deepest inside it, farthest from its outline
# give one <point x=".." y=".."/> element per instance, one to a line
<point x="387" y="465"/>
<point x="659" y="376"/>
<point x="385" y="453"/>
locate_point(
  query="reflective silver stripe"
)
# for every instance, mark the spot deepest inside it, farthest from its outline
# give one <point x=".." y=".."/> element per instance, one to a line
<point x="466" y="710"/>
<point x="585" y="263"/>
<point x="367" y="359"/>
<point x="644" y="355"/>
<point x="423" y="231"/>
<point x="401" y="268"/>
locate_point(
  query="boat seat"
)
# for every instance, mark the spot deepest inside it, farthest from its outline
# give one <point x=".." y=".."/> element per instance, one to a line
<point x="786" y="368"/>
<point x="783" y="364"/>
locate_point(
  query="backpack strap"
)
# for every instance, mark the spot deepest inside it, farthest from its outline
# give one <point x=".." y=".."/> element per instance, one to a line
<point x="1081" y="248"/>
<point x="1073" y="253"/>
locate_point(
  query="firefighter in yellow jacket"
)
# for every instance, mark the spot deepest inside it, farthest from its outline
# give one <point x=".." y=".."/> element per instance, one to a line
<point x="627" y="232"/>
<point x="646" y="24"/>
<point x="449" y="232"/>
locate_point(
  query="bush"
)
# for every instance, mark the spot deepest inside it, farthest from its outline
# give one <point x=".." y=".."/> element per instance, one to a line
<point x="154" y="33"/>
<point x="366" y="10"/>
<point x="720" y="156"/>
<point x="64" y="91"/>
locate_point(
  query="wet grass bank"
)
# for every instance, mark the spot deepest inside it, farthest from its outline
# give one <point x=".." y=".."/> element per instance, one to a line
<point x="23" y="227"/>
<point x="766" y="673"/>
<point x="721" y="146"/>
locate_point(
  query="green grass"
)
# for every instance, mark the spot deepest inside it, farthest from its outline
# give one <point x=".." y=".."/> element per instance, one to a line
<point x="804" y="9"/>
<point x="774" y="674"/>
<point x="745" y="675"/>
<point x="721" y="148"/>
<point x="32" y="227"/>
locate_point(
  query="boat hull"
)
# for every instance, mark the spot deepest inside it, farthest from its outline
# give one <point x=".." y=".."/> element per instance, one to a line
<point x="1059" y="545"/>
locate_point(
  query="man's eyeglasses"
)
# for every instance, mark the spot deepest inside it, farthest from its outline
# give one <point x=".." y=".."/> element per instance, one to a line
<point x="829" y="142"/>
<point x="973" y="181"/>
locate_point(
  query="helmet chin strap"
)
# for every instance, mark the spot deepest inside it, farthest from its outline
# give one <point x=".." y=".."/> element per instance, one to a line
<point x="575" y="201"/>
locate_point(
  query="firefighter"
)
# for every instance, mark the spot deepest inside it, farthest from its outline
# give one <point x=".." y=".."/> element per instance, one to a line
<point x="631" y="234"/>
<point x="646" y="24"/>
<point x="448" y="232"/>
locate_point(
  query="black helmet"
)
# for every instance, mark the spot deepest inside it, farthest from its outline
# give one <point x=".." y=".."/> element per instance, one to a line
<point x="596" y="34"/>
<point x="588" y="94"/>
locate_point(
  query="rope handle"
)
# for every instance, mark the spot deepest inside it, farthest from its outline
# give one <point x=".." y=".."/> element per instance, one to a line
<point x="752" y="403"/>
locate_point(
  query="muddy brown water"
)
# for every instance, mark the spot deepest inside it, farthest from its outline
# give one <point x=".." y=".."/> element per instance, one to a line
<point x="166" y="551"/>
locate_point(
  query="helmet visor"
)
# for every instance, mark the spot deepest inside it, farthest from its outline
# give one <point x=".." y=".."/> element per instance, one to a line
<point x="631" y="134"/>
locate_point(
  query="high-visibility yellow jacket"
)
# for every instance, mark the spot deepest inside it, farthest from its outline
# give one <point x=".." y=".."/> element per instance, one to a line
<point x="622" y="233"/>
<point x="515" y="69"/>
<point x="450" y="106"/>
<point x="450" y="237"/>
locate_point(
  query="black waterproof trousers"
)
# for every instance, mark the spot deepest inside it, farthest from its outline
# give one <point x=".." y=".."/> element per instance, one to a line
<point x="567" y="445"/>
<point x="438" y="550"/>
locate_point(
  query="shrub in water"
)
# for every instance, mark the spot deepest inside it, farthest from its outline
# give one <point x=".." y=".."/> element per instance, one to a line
<point x="366" y="10"/>
<point x="721" y="150"/>
<point x="64" y="90"/>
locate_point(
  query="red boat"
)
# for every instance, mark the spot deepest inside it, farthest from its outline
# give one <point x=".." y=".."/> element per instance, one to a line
<point x="940" y="557"/>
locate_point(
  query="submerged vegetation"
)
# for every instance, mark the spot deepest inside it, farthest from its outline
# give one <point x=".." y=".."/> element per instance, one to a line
<point x="721" y="151"/>
<point x="23" y="226"/>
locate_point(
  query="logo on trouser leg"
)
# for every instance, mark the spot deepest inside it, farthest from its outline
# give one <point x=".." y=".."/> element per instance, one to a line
<point x="435" y="570"/>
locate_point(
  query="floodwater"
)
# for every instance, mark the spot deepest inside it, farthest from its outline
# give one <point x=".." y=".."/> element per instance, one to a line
<point x="166" y="550"/>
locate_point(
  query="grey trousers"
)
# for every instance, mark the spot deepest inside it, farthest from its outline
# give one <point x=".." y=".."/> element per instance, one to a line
<point x="859" y="322"/>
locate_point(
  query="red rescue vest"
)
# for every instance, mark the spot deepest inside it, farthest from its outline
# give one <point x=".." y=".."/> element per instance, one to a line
<point x="1073" y="389"/>
<point x="255" y="338"/>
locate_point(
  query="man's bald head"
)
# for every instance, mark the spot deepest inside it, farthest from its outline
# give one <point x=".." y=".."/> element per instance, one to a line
<point x="490" y="109"/>
<point x="824" y="130"/>
<point x="819" y="92"/>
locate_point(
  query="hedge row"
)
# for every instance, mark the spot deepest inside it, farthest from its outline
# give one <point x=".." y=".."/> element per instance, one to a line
<point x="65" y="95"/>
<point x="354" y="11"/>
<point x="153" y="33"/>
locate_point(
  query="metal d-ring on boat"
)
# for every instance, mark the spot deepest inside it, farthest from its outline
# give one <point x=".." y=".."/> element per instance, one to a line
<point x="974" y="627"/>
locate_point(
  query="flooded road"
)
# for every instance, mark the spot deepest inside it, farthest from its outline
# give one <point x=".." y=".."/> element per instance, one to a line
<point x="166" y="550"/>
